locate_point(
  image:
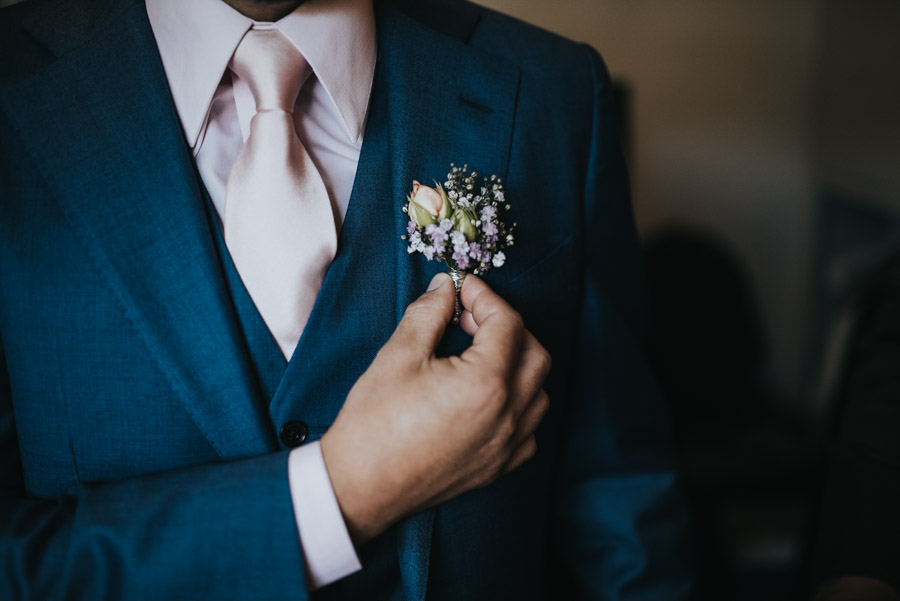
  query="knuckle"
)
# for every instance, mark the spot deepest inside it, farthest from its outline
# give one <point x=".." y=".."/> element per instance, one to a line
<point x="546" y="361"/>
<point x="499" y="468"/>
<point x="529" y="448"/>
<point x="485" y="477"/>
<point x="494" y="447"/>
<point x="543" y="404"/>
<point x="506" y="429"/>
<point x="517" y="320"/>
<point x="419" y="309"/>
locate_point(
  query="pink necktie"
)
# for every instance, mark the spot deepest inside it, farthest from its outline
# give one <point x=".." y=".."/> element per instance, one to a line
<point x="279" y="224"/>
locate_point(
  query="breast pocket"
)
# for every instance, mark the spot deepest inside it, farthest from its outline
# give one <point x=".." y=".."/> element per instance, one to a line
<point x="544" y="288"/>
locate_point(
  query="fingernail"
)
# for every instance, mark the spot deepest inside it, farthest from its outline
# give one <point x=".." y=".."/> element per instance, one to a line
<point x="437" y="281"/>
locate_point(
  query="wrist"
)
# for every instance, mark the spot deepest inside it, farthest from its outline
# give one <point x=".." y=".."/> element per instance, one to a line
<point x="355" y="487"/>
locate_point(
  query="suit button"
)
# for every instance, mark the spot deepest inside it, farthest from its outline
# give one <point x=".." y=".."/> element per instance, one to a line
<point x="293" y="434"/>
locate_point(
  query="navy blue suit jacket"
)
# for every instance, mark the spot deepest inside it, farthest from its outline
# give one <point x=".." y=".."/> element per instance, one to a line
<point x="139" y="458"/>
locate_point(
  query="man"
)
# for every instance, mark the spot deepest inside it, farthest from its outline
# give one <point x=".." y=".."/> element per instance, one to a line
<point x="153" y="397"/>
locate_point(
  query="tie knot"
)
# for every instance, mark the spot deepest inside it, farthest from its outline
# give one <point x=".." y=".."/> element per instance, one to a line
<point x="272" y="67"/>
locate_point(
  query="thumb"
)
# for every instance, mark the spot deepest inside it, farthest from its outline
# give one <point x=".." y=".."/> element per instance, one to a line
<point x="426" y="318"/>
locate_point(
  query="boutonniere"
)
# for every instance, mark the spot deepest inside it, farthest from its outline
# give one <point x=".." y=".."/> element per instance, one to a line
<point x="459" y="223"/>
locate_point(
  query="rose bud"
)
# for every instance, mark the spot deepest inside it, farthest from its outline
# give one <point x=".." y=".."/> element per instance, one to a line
<point x="418" y="214"/>
<point x="427" y="198"/>
<point x="427" y="205"/>
<point x="447" y="205"/>
<point x="463" y="223"/>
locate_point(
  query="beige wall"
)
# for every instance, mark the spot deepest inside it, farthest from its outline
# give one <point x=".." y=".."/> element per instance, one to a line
<point x="723" y="127"/>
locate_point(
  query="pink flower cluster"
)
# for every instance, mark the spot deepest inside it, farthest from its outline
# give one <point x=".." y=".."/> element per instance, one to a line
<point x="459" y="222"/>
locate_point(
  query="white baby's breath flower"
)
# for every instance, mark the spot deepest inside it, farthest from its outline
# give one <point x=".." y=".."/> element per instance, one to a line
<point x="460" y="222"/>
<point x="459" y="240"/>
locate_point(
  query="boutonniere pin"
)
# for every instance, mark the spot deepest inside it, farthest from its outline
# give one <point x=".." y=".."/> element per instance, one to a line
<point x="459" y="223"/>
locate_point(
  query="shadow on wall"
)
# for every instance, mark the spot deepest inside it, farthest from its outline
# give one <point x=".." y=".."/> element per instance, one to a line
<point x="752" y="471"/>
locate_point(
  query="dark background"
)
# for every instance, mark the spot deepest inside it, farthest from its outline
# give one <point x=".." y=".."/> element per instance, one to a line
<point x="763" y="140"/>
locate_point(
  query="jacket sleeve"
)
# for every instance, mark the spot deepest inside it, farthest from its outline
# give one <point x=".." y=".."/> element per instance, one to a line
<point x="223" y="530"/>
<point x="212" y="531"/>
<point x="622" y="524"/>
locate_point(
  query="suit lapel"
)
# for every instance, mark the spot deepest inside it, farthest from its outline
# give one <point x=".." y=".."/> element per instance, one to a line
<point x="435" y="101"/>
<point x="448" y="104"/>
<point x="101" y="124"/>
<point x="417" y="125"/>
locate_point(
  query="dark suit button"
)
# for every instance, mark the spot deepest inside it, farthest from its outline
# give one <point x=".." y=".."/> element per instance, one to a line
<point x="293" y="434"/>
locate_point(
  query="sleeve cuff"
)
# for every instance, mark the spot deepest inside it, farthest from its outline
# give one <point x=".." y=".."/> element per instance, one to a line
<point x="327" y="549"/>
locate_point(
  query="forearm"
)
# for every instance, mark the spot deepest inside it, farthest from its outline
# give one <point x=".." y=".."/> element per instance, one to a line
<point x="210" y="531"/>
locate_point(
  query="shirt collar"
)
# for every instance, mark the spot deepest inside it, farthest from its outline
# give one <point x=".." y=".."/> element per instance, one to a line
<point x="196" y="39"/>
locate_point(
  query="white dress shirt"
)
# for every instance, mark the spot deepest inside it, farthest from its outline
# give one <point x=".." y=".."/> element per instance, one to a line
<point x="196" y="39"/>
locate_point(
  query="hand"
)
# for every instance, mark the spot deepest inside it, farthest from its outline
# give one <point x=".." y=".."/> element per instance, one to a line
<point x="416" y="430"/>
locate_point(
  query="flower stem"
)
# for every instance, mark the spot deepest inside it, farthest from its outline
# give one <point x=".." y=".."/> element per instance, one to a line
<point x="458" y="278"/>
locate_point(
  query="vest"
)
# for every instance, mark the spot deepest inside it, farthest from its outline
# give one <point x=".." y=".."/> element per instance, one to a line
<point x="380" y="576"/>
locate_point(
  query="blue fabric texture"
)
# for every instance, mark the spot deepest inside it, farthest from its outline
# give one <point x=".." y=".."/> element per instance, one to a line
<point x="381" y="578"/>
<point x="140" y="403"/>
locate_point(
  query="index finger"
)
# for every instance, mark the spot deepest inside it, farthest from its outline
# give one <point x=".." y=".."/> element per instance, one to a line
<point x="498" y="340"/>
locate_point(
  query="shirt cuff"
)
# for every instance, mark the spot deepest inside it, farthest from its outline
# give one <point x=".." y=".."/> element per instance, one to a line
<point x="327" y="548"/>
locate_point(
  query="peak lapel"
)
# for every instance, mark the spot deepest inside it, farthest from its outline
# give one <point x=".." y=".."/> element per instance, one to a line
<point x="115" y="157"/>
<point x="449" y="103"/>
